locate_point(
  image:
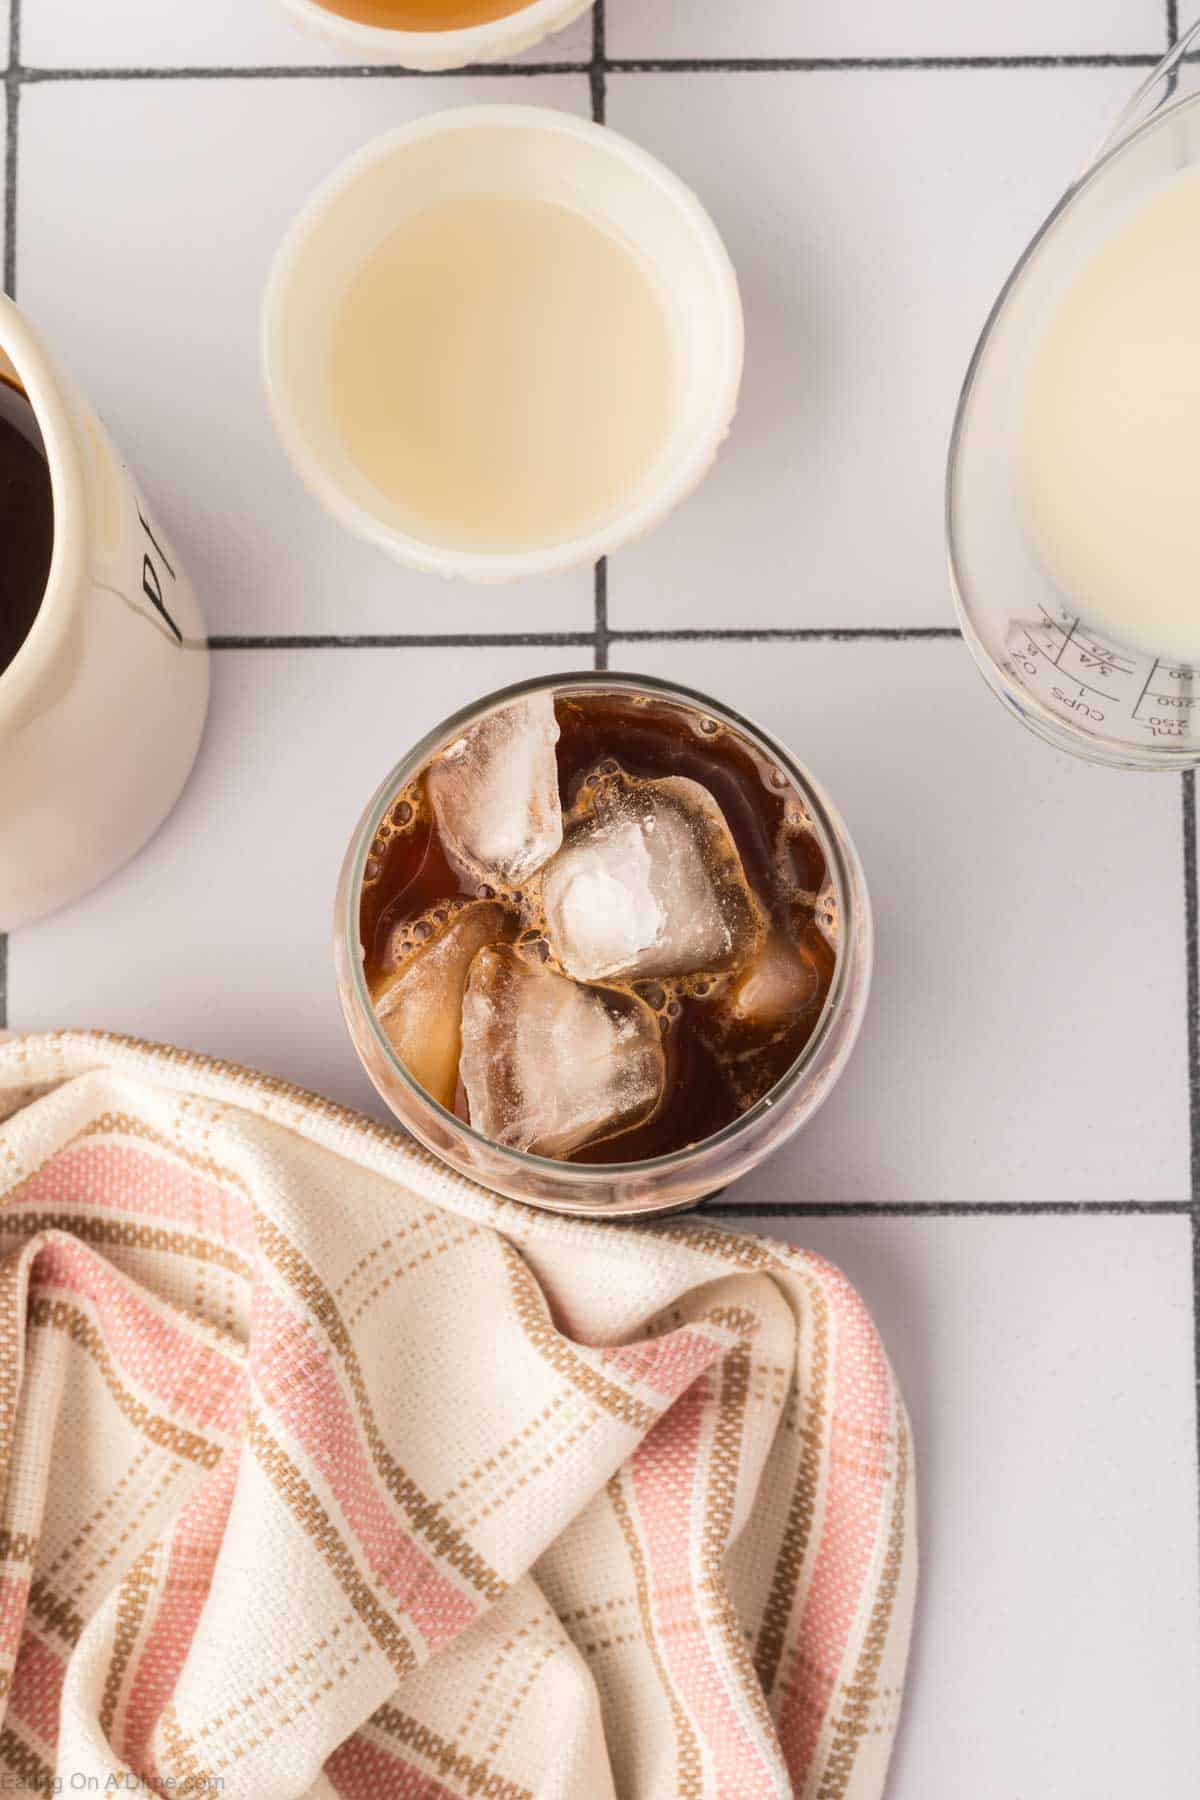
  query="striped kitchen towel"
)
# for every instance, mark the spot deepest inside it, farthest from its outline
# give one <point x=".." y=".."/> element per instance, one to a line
<point x="324" y="1472"/>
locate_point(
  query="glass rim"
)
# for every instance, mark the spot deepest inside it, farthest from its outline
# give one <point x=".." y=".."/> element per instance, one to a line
<point x="829" y="830"/>
<point x="1035" y="714"/>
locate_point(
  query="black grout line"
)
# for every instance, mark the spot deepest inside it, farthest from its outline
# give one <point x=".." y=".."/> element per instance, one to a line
<point x="1196" y="1315"/>
<point x="12" y="87"/>
<point x="598" y="82"/>
<point x="598" y="67"/>
<point x="1192" y="961"/>
<point x="800" y="634"/>
<point x="601" y="636"/>
<point x="1191" y="909"/>
<point x="809" y="65"/>
<point x="1191" y="914"/>
<point x="951" y="1209"/>
<point x="298" y="72"/>
<point x="449" y="640"/>
<point x="610" y="66"/>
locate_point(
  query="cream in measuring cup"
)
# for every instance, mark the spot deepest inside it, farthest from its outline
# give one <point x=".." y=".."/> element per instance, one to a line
<point x="1111" y="440"/>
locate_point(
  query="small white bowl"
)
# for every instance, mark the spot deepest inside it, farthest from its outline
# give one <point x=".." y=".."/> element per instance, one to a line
<point x="498" y="39"/>
<point x="538" y="153"/>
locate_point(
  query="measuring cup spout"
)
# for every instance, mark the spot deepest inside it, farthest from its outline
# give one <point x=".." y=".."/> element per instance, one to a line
<point x="1177" y="77"/>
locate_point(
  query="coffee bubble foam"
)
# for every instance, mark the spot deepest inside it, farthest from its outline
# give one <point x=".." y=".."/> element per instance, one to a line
<point x="407" y="812"/>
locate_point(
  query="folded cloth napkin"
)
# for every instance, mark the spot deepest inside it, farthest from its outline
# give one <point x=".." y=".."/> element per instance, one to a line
<point x="324" y="1472"/>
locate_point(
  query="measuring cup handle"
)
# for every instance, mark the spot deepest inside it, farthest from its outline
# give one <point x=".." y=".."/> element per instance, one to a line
<point x="1177" y="76"/>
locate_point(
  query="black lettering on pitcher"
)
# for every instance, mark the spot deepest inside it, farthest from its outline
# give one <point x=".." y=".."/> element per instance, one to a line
<point x="146" y="528"/>
<point x="151" y="583"/>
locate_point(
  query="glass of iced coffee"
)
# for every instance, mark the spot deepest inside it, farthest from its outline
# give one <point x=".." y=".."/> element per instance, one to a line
<point x="601" y="944"/>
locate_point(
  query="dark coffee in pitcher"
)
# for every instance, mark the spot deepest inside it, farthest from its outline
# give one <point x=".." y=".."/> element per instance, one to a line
<point x="26" y="522"/>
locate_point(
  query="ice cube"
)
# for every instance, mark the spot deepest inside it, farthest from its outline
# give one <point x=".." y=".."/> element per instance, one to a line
<point x="495" y="793"/>
<point x="648" y="883"/>
<point x="549" y="1066"/>
<point x="774" y="989"/>
<point x="419" y="1002"/>
<point x="757" y="1019"/>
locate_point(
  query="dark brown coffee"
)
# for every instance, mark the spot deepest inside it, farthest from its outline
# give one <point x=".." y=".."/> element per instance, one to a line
<point x="26" y="537"/>
<point x="632" y="771"/>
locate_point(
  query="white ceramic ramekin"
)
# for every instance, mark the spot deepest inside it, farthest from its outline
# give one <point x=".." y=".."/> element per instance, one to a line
<point x="537" y="153"/>
<point x="499" y="39"/>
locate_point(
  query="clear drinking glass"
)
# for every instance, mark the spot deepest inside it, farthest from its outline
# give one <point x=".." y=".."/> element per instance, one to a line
<point x="1083" y="691"/>
<point x="661" y="1183"/>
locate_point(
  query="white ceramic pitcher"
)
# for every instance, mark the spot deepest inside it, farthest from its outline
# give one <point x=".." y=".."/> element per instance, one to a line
<point x="102" y="708"/>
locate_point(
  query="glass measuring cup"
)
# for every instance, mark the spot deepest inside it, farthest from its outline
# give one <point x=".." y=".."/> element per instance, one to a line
<point x="1081" y="689"/>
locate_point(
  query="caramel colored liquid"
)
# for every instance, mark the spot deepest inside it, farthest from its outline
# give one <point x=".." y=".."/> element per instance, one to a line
<point x="422" y="15"/>
<point x="502" y="372"/>
<point x="714" y="1072"/>
<point x="26" y="538"/>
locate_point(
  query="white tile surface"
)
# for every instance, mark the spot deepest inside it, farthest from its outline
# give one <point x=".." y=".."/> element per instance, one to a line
<point x="1048" y="1369"/>
<point x="872" y="218"/>
<point x="1026" y="1039"/>
<point x="219" y="935"/>
<point x="701" y="28"/>
<point x="68" y="34"/>
<point x="149" y="215"/>
<point x="1026" y="1033"/>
